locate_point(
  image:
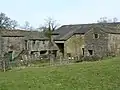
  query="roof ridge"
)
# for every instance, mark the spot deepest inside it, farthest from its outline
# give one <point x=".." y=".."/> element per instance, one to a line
<point x="91" y="24"/>
<point x="18" y="30"/>
<point x="108" y="30"/>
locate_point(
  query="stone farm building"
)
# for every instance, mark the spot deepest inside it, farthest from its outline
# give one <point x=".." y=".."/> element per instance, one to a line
<point x="88" y="39"/>
<point x="69" y="41"/>
<point x="20" y="43"/>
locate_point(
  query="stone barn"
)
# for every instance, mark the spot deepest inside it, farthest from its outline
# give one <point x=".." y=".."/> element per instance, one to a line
<point x="87" y="39"/>
<point x="11" y="42"/>
<point x="19" y="43"/>
<point x="102" y="41"/>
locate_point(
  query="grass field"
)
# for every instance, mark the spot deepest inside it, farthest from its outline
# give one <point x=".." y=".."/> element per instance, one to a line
<point x="100" y="75"/>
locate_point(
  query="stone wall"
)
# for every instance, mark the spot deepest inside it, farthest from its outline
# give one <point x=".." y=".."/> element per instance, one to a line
<point x="114" y="44"/>
<point x="14" y="44"/>
<point x="37" y="45"/>
<point x="15" y="41"/>
<point x="0" y="45"/>
<point x="96" y="43"/>
<point x="73" y="46"/>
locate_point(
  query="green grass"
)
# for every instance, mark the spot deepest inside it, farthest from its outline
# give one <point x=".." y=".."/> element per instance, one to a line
<point x="100" y="75"/>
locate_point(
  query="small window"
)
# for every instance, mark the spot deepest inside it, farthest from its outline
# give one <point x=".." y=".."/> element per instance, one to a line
<point x="43" y="42"/>
<point x="25" y="44"/>
<point x="10" y="55"/>
<point x="69" y="54"/>
<point x="83" y="51"/>
<point x="96" y="36"/>
<point x="43" y="52"/>
<point x="90" y="52"/>
<point x="33" y="42"/>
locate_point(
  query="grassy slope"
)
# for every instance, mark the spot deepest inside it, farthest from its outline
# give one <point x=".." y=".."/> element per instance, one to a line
<point x="101" y="75"/>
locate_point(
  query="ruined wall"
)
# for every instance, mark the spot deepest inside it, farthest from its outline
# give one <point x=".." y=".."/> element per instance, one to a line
<point x="114" y="44"/>
<point x="96" y="43"/>
<point x="0" y="45"/>
<point x="74" y="45"/>
<point x="38" y="48"/>
<point x="14" y="44"/>
<point x="37" y="45"/>
<point x="16" y="41"/>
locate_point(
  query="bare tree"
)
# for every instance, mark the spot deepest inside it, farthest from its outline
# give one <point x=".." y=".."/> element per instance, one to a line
<point x="49" y="26"/>
<point x="14" y="24"/>
<point x="106" y="20"/>
<point x="6" y="22"/>
<point x="115" y="19"/>
<point x="27" y="26"/>
<point x="103" y="20"/>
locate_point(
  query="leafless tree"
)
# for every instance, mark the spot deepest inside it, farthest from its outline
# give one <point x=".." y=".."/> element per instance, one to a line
<point x="6" y="22"/>
<point x="49" y="26"/>
<point x="115" y="19"/>
<point x="27" y="26"/>
<point x="106" y="20"/>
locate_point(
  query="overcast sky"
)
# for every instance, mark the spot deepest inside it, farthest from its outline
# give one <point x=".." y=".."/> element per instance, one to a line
<point x="64" y="11"/>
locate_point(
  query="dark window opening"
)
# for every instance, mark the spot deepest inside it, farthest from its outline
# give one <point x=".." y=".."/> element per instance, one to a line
<point x="55" y="52"/>
<point x="96" y="35"/>
<point x="10" y="55"/>
<point x="90" y="52"/>
<point x="25" y="44"/>
<point x="43" y="52"/>
<point x="83" y="51"/>
<point x="61" y="47"/>
<point x="69" y="54"/>
<point x="32" y="52"/>
<point x="33" y="41"/>
<point x="43" y="42"/>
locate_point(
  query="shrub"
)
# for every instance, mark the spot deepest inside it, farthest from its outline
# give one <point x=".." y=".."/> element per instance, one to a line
<point x="91" y="58"/>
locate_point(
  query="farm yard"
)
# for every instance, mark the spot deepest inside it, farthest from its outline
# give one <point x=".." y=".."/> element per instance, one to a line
<point x="59" y="45"/>
<point x="98" y="75"/>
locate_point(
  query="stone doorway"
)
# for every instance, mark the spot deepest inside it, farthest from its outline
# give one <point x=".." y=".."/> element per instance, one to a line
<point x="83" y="50"/>
<point x="61" y="47"/>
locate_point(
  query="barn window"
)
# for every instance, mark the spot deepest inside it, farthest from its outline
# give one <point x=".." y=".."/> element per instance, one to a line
<point x="83" y="51"/>
<point x="43" y="42"/>
<point x="25" y="44"/>
<point x="69" y="54"/>
<point x="90" y="52"/>
<point x="43" y="52"/>
<point x="33" y="41"/>
<point x="96" y="35"/>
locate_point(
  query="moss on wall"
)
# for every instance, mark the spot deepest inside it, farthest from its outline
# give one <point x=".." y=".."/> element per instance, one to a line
<point x="98" y="46"/>
<point x="74" y="45"/>
<point x="114" y="44"/>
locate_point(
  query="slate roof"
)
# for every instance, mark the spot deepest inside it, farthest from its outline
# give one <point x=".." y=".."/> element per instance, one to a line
<point x="5" y="32"/>
<point x="110" y="30"/>
<point x="66" y="31"/>
<point x="22" y="33"/>
<point x="35" y="35"/>
<point x="62" y="33"/>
